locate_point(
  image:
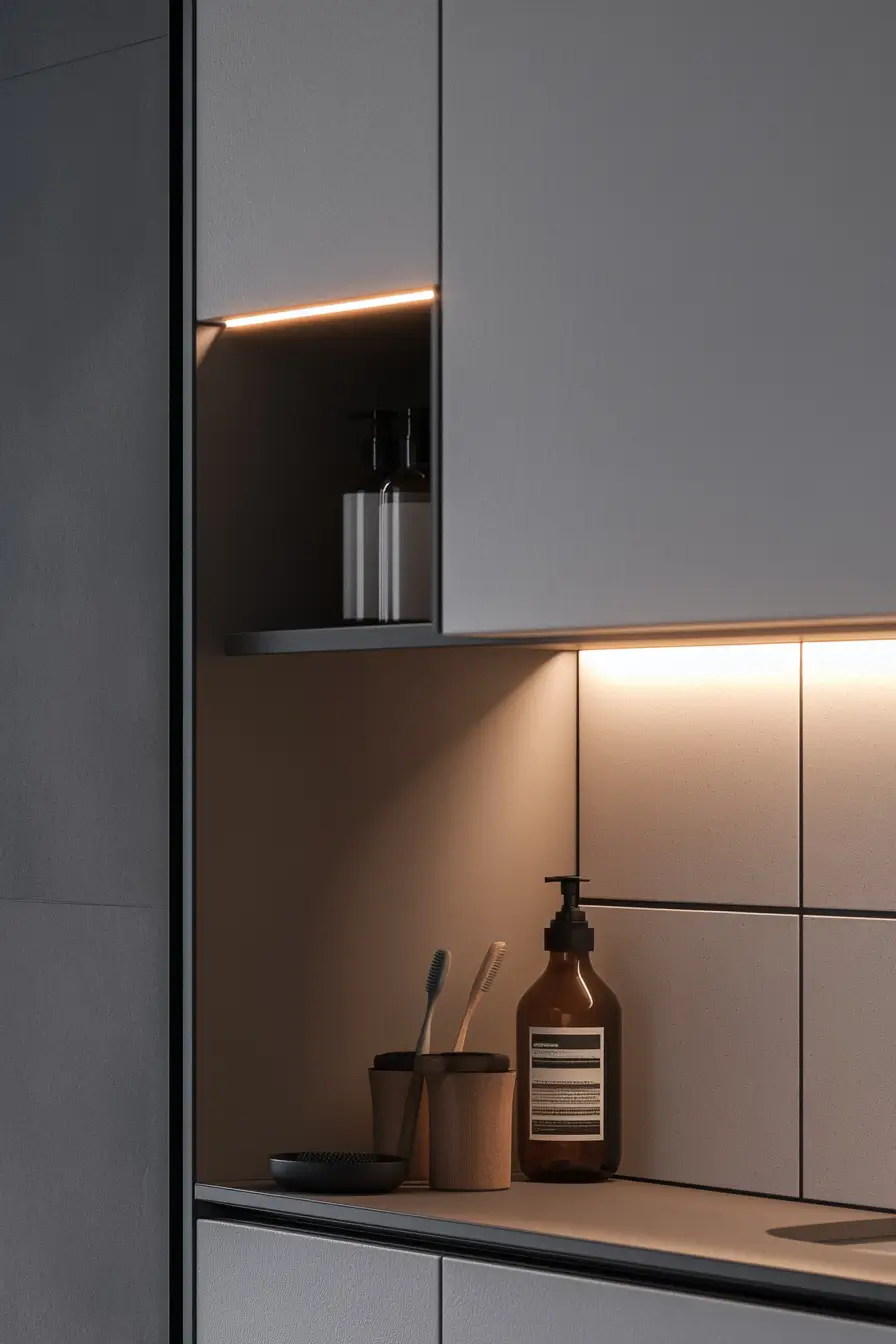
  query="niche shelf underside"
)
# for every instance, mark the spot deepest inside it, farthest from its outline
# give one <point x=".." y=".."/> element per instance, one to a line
<point x="350" y="638"/>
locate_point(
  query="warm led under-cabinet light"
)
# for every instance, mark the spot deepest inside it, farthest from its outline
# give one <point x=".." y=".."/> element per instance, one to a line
<point x="868" y="660"/>
<point x="713" y="664"/>
<point x="333" y="309"/>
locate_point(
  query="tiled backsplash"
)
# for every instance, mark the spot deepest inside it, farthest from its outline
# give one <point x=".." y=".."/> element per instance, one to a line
<point x="760" y="1026"/>
<point x="849" y="780"/>
<point x="849" y="1060"/>
<point x="737" y="817"/>
<point x="711" y="1032"/>
<point x="689" y="768"/>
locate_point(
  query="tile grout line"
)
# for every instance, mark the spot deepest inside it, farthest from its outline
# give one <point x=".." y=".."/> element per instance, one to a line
<point x="842" y="912"/>
<point x="87" y="56"/>
<point x="697" y="907"/>
<point x="749" y="1194"/>
<point x="800" y="1019"/>
<point x="730" y="908"/>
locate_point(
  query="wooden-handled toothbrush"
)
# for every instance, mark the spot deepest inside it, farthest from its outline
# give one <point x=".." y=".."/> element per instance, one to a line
<point x="485" y="978"/>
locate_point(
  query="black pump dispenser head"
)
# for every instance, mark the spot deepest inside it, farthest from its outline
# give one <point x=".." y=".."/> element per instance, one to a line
<point x="415" y="437"/>
<point x="381" y="448"/>
<point x="569" y="930"/>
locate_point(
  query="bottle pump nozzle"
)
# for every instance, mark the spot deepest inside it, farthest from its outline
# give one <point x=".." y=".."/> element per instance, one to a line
<point x="569" y="930"/>
<point x="381" y="448"/>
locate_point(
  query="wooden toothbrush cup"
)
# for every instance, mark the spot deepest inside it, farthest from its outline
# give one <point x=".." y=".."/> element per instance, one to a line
<point x="388" y="1092"/>
<point x="470" y="1130"/>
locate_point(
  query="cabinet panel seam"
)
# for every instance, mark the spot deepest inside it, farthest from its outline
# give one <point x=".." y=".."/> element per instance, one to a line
<point x="86" y="56"/>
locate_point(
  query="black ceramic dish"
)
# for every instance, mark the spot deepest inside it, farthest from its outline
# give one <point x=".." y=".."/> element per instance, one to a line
<point x="338" y="1173"/>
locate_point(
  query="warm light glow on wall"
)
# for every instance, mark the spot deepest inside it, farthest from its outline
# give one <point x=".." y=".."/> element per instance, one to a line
<point x="723" y="663"/>
<point x="851" y="660"/>
<point x="332" y="309"/>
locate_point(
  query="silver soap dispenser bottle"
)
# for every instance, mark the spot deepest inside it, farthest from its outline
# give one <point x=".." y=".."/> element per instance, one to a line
<point x="405" y="527"/>
<point x="360" y="522"/>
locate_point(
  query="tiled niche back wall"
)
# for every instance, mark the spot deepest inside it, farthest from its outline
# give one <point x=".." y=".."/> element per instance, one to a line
<point x="738" y="822"/>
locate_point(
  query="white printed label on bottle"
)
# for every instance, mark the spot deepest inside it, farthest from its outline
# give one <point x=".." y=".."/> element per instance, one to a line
<point x="566" y="1084"/>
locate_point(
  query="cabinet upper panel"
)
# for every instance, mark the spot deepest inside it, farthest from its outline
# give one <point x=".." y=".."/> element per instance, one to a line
<point x="317" y="151"/>
<point x="668" y="289"/>
<point x="37" y="33"/>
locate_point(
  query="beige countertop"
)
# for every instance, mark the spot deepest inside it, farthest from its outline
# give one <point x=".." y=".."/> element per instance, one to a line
<point x="627" y="1224"/>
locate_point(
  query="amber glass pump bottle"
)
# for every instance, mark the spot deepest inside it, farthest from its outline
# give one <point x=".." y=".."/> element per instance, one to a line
<point x="569" y="1057"/>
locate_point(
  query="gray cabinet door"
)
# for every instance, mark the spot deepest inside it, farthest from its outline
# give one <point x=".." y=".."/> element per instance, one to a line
<point x="84" y="1228"/>
<point x="490" y="1304"/>
<point x="255" y="1285"/>
<point x="317" y="151"/>
<point x="84" y="685"/>
<point x="84" y="528"/>
<point x="668" y="293"/>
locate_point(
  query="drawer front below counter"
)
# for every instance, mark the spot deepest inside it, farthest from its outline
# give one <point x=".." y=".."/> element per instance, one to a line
<point x="491" y="1304"/>
<point x="256" y="1285"/>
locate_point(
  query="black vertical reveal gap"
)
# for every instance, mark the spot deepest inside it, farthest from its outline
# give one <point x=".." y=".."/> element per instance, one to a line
<point x="182" y="309"/>
<point x="578" y="658"/>
<point x="436" y="351"/>
<point x="441" y="1281"/>
<point x="435" y="456"/>
<point x="190" y="672"/>
<point x="176" y="412"/>
<point x="800" y="918"/>
<point x="439" y="146"/>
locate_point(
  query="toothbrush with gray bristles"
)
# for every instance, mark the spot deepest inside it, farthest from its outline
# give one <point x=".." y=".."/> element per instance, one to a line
<point x="435" y="983"/>
<point x="485" y="978"/>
